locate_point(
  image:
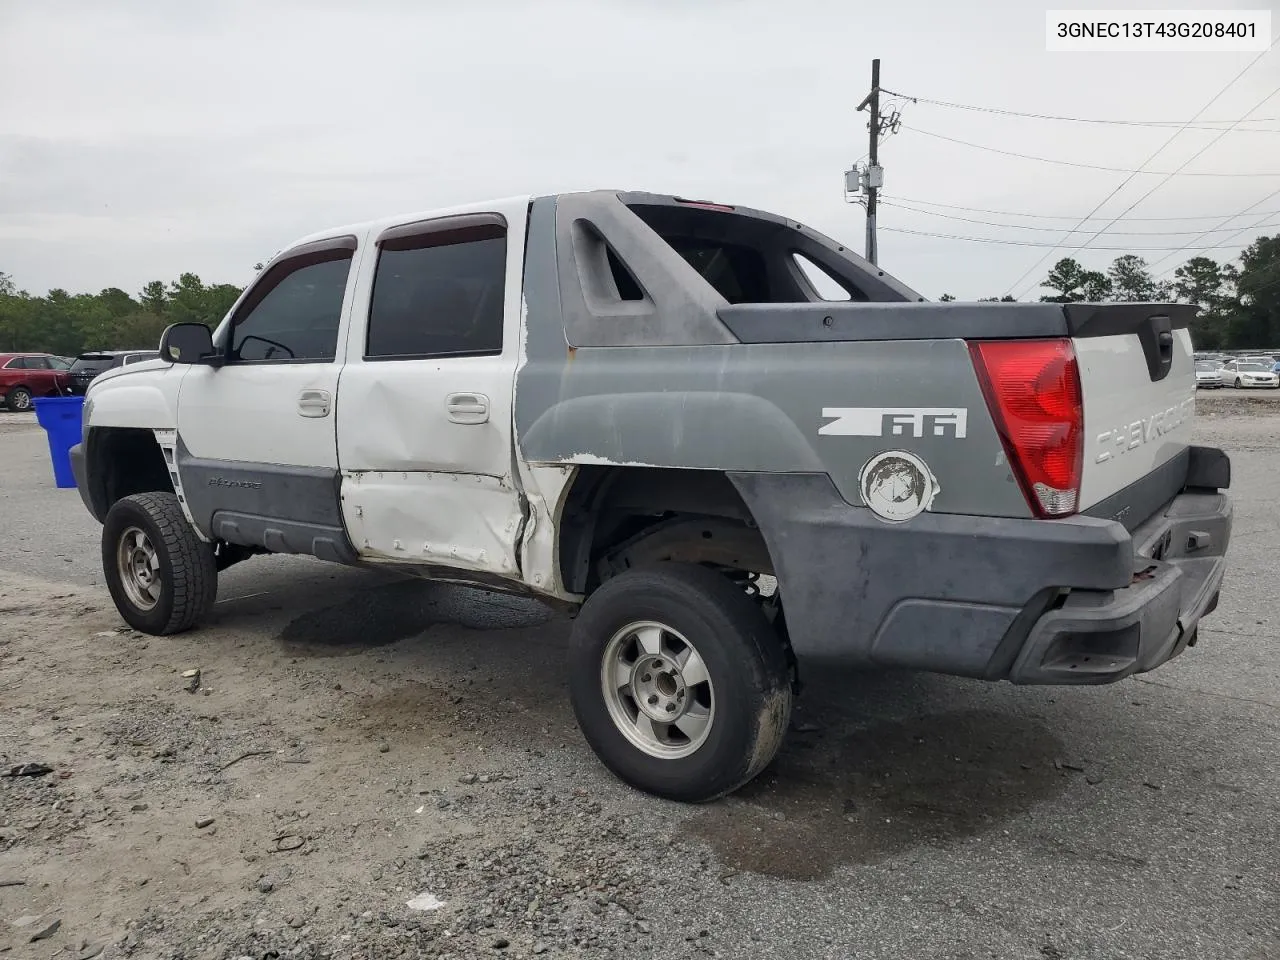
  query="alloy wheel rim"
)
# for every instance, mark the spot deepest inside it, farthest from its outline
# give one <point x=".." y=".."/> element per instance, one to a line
<point x="657" y="690"/>
<point x="138" y="565"/>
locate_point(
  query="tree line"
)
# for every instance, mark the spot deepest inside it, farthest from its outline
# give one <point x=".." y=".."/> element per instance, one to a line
<point x="1239" y="303"/>
<point x="69" y="324"/>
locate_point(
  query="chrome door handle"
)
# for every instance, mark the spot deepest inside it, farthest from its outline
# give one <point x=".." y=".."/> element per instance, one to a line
<point x="469" y="408"/>
<point x="314" y="403"/>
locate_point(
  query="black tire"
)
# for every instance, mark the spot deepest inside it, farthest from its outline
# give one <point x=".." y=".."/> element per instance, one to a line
<point x="1238" y="383"/>
<point x="18" y="399"/>
<point x="744" y="658"/>
<point x="188" y="574"/>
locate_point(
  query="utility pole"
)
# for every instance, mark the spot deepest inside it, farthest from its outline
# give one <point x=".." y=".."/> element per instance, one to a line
<point x="871" y="179"/>
<point x="874" y="174"/>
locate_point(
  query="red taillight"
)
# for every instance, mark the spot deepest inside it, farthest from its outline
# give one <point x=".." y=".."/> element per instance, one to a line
<point x="1033" y="391"/>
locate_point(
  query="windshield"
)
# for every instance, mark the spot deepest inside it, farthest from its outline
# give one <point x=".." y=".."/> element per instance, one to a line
<point x="1255" y="368"/>
<point x="1206" y="366"/>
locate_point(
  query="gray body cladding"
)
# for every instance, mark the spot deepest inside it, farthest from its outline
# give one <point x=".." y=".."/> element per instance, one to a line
<point x="657" y="399"/>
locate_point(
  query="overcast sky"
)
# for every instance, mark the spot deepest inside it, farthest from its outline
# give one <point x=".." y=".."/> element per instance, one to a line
<point x="142" y="139"/>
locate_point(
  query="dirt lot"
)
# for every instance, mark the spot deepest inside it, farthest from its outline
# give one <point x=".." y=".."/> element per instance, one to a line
<point x="356" y="743"/>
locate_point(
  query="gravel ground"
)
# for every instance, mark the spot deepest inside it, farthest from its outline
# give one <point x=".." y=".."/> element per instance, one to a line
<point x="369" y="768"/>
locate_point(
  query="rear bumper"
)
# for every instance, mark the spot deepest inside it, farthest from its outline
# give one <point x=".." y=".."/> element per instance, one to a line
<point x="1080" y="600"/>
<point x="1092" y="636"/>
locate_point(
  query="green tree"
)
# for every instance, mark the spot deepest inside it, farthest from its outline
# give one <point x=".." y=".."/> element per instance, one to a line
<point x="221" y="298"/>
<point x="946" y="298"/>
<point x="153" y="297"/>
<point x="117" y="301"/>
<point x="1005" y="299"/>
<point x="1255" y="319"/>
<point x="1211" y="287"/>
<point x="67" y="324"/>
<point x="1075" y="284"/>
<point x="1131" y="281"/>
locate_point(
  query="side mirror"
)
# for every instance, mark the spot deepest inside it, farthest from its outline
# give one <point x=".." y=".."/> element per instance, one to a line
<point x="188" y="343"/>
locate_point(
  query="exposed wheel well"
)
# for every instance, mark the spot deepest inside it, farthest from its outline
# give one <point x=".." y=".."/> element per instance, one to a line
<point x="121" y="461"/>
<point x="617" y="517"/>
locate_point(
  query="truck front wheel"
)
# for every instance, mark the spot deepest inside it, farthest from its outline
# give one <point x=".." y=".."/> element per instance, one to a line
<point x="679" y="683"/>
<point x="162" y="577"/>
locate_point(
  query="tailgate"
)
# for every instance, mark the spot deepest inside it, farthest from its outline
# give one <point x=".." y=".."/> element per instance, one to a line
<point x="1137" y="377"/>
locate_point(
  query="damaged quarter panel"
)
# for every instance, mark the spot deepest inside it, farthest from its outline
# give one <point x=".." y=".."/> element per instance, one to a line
<point x="773" y="407"/>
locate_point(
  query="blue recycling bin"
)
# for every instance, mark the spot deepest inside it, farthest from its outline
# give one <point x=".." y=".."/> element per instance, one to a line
<point x="61" y="419"/>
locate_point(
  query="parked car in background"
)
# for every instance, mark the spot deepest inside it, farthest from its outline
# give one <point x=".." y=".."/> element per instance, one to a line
<point x="87" y="366"/>
<point x="25" y="376"/>
<point x="1249" y="373"/>
<point x="1208" y="374"/>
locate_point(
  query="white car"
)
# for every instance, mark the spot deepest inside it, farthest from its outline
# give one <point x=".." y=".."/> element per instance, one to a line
<point x="1249" y="373"/>
<point x="1208" y="375"/>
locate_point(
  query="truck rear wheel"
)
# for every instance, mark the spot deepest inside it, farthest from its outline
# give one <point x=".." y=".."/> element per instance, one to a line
<point x="679" y="683"/>
<point x="162" y="577"/>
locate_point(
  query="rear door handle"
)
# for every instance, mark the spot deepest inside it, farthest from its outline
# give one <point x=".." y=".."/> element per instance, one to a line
<point x="468" y="408"/>
<point x="314" y="403"/>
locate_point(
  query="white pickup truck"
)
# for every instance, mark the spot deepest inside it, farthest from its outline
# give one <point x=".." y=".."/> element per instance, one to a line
<point x="649" y="411"/>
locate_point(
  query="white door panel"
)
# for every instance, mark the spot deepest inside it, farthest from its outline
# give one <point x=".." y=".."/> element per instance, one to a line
<point x="424" y="405"/>
<point x="272" y="402"/>
<point x="400" y="415"/>
<point x="254" y="414"/>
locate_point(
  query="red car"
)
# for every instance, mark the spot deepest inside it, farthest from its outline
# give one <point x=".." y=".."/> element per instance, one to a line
<point x="27" y="375"/>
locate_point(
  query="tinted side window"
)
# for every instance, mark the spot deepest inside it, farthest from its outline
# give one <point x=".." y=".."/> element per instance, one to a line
<point x="433" y="299"/>
<point x="37" y="363"/>
<point x="297" y="316"/>
<point x="17" y="363"/>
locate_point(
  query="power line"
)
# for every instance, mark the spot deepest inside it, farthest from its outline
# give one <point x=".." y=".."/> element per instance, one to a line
<point x="1105" y="227"/>
<point x="1019" y="226"/>
<point x="1032" y="243"/>
<point x="1203" y="125"/>
<point x="1159" y="150"/>
<point x="1052" y="216"/>
<point x="1085" y="166"/>
<point x="1243" y="213"/>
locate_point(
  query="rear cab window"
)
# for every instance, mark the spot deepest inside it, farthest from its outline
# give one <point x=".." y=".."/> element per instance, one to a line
<point x="438" y="290"/>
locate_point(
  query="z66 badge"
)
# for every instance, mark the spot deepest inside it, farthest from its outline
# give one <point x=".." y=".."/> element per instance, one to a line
<point x="895" y="422"/>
